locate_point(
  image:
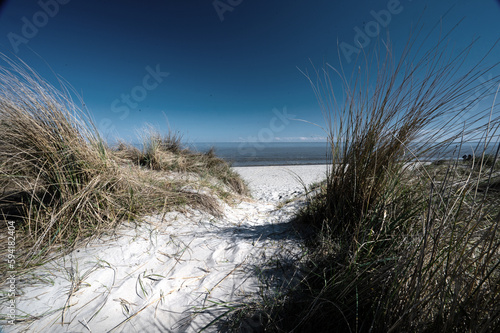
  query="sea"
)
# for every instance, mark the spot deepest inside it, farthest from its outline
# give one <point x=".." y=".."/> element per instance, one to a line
<point x="307" y="153"/>
<point x="268" y="153"/>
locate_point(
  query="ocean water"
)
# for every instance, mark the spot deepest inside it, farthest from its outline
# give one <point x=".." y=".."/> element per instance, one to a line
<point x="294" y="153"/>
<point x="297" y="153"/>
<point x="271" y="153"/>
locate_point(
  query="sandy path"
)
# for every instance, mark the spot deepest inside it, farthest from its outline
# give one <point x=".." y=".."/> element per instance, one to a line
<point x="171" y="274"/>
<point x="268" y="183"/>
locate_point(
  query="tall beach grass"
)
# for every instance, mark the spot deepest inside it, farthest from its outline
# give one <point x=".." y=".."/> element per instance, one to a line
<point x="60" y="182"/>
<point x="401" y="245"/>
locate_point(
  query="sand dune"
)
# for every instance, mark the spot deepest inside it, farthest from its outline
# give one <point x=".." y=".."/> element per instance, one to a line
<point x="177" y="272"/>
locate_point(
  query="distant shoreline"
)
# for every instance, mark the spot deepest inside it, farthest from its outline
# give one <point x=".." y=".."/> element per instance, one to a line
<point x="301" y="153"/>
<point x="233" y="165"/>
<point x="243" y="165"/>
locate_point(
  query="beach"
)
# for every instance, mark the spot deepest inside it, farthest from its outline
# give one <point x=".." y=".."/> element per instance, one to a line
<point x="271" y="183"/>
<point x="176" y="272"/>
<point x="228" y="166"/>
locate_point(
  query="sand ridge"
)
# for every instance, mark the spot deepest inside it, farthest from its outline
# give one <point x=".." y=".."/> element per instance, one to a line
<point x="176" y="272"/>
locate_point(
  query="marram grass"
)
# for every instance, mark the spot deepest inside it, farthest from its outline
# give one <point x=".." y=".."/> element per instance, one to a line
<point x="402" y="245"/>
<point x="61" y="184"/>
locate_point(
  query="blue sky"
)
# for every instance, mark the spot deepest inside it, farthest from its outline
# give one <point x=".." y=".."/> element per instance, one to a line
<point x="223" y="70"/>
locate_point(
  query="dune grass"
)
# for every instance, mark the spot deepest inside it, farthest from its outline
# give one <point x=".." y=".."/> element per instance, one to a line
<point x="60" y="182"/>
<point x="165" y="153"/>
<point x="402" y="245"/>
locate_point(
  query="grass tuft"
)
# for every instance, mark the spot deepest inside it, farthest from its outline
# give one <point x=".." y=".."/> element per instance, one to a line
<point x="402" y="245"/>
<point x="61" y="183"/>
<point x="165" y="153"/>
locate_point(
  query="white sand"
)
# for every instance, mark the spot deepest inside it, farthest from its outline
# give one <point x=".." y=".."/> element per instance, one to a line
<point x="175" y="273"/>
<point x="270" y="182"/>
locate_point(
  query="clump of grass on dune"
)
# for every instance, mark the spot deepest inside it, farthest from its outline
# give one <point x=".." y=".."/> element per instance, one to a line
<point x="60" y="182"/>
<point x="398" y="249"/>
<point x="165" y="153"/>
<point x="51" y="163"/>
